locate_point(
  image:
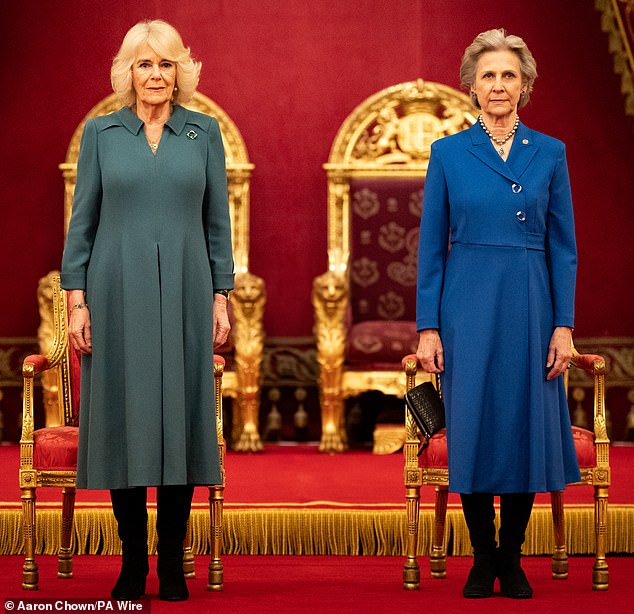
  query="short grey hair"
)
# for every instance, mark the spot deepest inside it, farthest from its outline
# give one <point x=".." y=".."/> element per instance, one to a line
<point x="498" y="40"/>
<point x="165" y="40"/>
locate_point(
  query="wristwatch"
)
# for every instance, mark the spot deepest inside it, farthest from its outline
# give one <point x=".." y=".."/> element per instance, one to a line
<point x="224" y="293"/>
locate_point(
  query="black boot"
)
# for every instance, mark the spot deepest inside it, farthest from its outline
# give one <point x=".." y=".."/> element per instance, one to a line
<point x="129" y="507"/>
<point x="515" y="512"/>
<point x="173" y="504"/>
<point x="479" y="514"/>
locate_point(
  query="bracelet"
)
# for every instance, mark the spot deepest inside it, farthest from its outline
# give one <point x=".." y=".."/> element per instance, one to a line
<point x="78" y="306"/>
<point x="224" y="293"/>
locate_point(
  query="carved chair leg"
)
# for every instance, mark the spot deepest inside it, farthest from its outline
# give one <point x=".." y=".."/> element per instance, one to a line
<point x="248" y="406"/>
<point x="30" y="574"/>
<point x="188" y="554"/>
<point x="333" y="433"/>
<point x="215" y="578"/>
<point x="560" y="558"/>
<point x="65" y="556"/>
<point x="600" y="568"/>
<point x="438" y="557"/>
<point x="411" y="571"/>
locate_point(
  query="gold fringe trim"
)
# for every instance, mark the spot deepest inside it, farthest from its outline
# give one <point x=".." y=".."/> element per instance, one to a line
<point x="318" y="531"/>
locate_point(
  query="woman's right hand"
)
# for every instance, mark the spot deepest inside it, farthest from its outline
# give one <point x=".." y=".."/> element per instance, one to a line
<point x="429" y="352"/>
<point x="79" y="332"/>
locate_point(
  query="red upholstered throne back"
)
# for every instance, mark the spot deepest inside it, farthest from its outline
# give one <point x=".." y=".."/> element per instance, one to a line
<point x="384" y="226"/>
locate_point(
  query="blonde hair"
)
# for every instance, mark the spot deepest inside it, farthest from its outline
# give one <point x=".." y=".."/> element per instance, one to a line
<point x="166" y="42"/>
<point x="498" y="40"/>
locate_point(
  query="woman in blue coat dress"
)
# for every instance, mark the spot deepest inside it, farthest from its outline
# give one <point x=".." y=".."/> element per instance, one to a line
<point x="148" y="263"/>
<point x="495" y="298"/>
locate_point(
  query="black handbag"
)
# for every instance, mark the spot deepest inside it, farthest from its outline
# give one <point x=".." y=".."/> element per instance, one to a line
<point x="425" y="405"/>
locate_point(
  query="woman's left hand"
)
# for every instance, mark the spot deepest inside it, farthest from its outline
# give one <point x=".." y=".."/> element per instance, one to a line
<point x="559" y="352"/>
<point x="221" y="320"/>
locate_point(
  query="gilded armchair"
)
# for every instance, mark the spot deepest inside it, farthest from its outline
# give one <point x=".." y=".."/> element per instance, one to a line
<point x="431" y="469"/>
<point x="48" y="454"/>
<point x="364" y="304"/>
<point x="244" y="352"/>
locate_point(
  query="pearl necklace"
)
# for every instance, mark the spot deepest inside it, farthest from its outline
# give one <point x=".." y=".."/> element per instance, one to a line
<point x="500" y="142"/>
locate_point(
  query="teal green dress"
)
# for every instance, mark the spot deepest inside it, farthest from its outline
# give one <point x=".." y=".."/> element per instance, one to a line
<point x="149" y="239"/>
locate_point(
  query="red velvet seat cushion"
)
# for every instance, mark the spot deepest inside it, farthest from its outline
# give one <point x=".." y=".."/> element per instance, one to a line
<point x="56" y="448"/>
<point x="584" y="446"/>
<point x="435" y="455"/>
<point x="380" y="341"/>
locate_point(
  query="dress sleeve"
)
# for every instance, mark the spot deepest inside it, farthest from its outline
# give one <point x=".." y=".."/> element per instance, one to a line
<point x="432" y="245"/>
<point x="561" y="244"/>
<point x="85" y="216"/>
<point x="217" y="219"/>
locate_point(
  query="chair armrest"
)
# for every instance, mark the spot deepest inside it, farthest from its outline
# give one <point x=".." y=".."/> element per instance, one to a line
<point x="410" y="364"/>
<point x="35" y="364"/>
<point x="592" y="364"/>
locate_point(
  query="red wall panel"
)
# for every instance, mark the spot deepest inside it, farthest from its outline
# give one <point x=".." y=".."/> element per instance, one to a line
<point x="289" y="73"/>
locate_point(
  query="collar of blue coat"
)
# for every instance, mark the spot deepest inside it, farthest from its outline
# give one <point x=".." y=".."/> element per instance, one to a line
<point x="133" y="122"/>
<point x="522" y="151"/>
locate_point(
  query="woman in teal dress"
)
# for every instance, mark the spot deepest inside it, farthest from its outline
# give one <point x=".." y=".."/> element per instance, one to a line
<point x="495" y="311"/>
<point x="148" y="263"/>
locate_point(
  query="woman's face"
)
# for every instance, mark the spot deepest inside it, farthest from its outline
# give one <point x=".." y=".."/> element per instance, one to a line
<point x="153" y="77"/>
<point x="498" y="83"/>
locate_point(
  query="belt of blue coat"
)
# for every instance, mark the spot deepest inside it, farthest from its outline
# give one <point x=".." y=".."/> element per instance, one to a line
<point x="532" y="240"/>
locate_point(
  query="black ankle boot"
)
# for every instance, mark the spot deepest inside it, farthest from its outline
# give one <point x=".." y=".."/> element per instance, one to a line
<point x="172" y="584"/>
<point x="515" y="512"/>
<point x="481" y="577"/>
<point x="129" y="507"/>
<point x="479" y="515"/>
<point x="513" y="581"/>
<point x="173" y="504"/>
<point x="130" y="585"/>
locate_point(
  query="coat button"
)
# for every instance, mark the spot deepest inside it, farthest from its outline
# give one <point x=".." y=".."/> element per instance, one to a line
<point x="521" y="216"/>
<point x="516" y="188"/>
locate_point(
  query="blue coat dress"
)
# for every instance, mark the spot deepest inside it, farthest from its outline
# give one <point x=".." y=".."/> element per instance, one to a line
<point x="497" y="267"/>
<point x="149" y="239"/>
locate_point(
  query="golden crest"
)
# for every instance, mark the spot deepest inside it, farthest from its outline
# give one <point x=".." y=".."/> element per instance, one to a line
<point x="416" y="133"/>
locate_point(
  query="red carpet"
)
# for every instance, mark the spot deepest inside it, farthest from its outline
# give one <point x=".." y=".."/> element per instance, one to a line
<point x="300" y="475"/>
<point x="341" y="585"/>
<point x="292" y="500"/>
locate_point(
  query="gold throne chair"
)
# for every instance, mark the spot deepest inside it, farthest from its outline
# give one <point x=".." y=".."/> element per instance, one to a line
<point x="364" y="304"/>
<point x="243" y="353"/>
